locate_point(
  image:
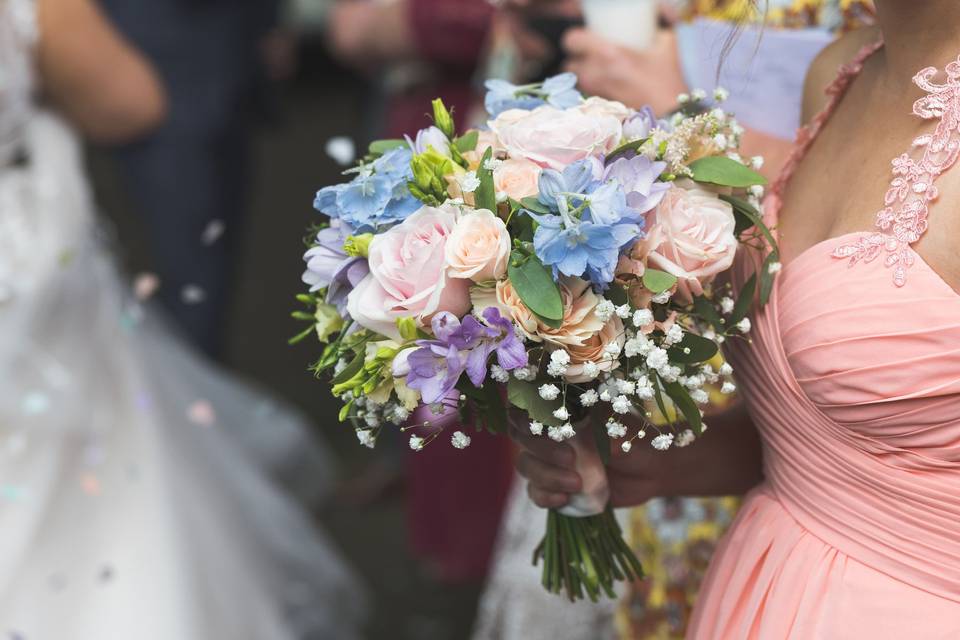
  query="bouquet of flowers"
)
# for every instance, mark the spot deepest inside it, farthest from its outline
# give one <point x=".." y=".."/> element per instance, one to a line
<point x="562" y="261"/>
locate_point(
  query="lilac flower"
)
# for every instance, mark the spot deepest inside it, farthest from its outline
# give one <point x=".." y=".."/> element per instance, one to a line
<point x="640" y="125"/>
<point x="461" y="347"/>
<point x="431" y="137"/>
<point x="329" y="267"/>
<point x="640" y="179"/>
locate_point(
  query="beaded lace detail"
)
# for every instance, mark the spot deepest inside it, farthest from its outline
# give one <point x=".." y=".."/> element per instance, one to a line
<point x="903" y="219"/>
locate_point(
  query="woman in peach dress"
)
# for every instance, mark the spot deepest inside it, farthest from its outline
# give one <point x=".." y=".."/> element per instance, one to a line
<point x="852" y="378"/>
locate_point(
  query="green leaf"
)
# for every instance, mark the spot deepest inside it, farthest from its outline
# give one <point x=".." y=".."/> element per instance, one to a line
<point x="602" y="440"/>
<point x="533" y="204"/>
<point x="658" y="281"/>
<point x="708" y="312"/>
<point x="686" y="405"/>
<point x="345" y="410"/>
<point x="495" y="414"/>
<point x="748" y="217"/>
<point x="726" y="172"/>
<point x="524" y="395"/>
<point x="617" y="295"/>
<point x="486" y="195"/>
<point x="657" y="382"/>
<point x="467" y="142"/>
<point x="624" y="149"/>
<point x="534" y="283"/>
<point x="352" y="369"/>
<point x="700" y="348"/>
<point x="767" y="278"/>
<point x="380" y="147"/>
<point x="744" y="301"/>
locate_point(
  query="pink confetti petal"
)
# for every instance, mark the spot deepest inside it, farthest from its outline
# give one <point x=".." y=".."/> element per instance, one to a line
<point x="202" y="413"/>
<point x="145" y="285"/>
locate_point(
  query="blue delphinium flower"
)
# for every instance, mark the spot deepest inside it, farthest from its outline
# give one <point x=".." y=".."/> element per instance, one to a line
<point x="377" y="197"/>
<point x="593" y="222"/>
<point x="558" y="91"/>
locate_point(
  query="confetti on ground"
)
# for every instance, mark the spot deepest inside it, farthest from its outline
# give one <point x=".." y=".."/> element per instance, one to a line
<point x="131" y="316"/>
<point x="212" y="233"/>
<point x="15" y="445"/>
<point x="342" y="150"/>
<point x="144" y="401"/>
<point x="94" y="455"/>
<point x="106" y="574"/>
<point x="12" y="493"/>
<point x="16" y="635"/>
<point x="35" y="403"/>
<point x="145" y="285"/>
<point x="90" y="484"/>
<point x="201" y="413"/>
<point x="192" y="294"/>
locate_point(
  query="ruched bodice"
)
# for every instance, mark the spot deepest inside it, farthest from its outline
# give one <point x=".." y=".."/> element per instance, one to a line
<point x="853" y="380"/>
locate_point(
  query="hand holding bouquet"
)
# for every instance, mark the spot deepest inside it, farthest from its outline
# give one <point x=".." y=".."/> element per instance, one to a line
<point x="563" y="260"/>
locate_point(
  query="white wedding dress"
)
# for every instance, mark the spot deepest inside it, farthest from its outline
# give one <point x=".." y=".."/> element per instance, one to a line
<point x="125" y="512"/>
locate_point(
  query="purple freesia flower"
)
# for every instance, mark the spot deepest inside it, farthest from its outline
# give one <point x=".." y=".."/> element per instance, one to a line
<point x="329" y="267"/>
<point x="640" y="179"/>
<point x="431" y="137"/>
<point x="461" y="347"/>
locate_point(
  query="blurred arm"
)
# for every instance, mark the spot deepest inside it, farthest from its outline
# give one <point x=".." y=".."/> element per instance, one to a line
<point x="105" y="87"/>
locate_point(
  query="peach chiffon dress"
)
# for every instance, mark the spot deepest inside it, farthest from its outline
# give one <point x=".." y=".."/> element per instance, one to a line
<point x="853" y="379"/>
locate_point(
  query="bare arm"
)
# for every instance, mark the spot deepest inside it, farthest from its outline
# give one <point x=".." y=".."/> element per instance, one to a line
<point x="105" y="87"/>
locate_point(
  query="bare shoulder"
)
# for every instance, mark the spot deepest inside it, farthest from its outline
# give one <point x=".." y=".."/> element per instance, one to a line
<point x="824" y="68"/>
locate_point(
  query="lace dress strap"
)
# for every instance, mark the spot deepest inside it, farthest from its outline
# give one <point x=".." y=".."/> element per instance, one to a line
<point x="806" y="135"/>
<point x="903" y="219"/>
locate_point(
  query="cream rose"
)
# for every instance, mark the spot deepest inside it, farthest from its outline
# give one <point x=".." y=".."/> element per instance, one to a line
<point x="518" y="178"/>
<point x="553" y="138"/>
<point x="692" y="237"/>
<point x="479" y="247"/>
<point x="595" y="106"/>
<point x="409" y="274"/>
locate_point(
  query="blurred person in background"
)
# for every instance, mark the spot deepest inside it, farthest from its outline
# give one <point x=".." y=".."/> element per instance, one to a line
<point x="190" y="177"/>
<point x="418" y="50"/>
<point x="124" y="511"/>
<point x="763" y="67"/>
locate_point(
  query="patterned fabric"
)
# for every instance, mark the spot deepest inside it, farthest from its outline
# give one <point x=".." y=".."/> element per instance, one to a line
<point x="674" y="539"/>
<point x="836" y="15"/>
<point x="903" y="220"/>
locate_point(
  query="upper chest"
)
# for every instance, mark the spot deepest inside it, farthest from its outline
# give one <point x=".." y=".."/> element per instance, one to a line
<point x="842" y="182"/>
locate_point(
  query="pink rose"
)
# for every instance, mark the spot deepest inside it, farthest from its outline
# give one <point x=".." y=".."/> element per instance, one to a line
<point x="518" y="178"/>
<point x="692" y="237"/>
<point x="553" y="138"/>
<point x="595" y="106"/>
<point x="409" y="274"/>
<point x="478" y="248"/>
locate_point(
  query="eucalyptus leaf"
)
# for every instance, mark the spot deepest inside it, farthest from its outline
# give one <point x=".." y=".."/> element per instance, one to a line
<point x="767" y="278"/>
<point x="352" y="369"/>
<point x="534" y="283"/>
<point x="700" y="349"/>
<point x="744" y="211"/>
<point x="744" y="301"/>
<point x="485" y="195"/>
<point x="526" y="396"/>
<point x="708" y="312"/>
<point x="658" y="281"/>
<point x="467" y="142"/>
<point x="533" y="204"/>
<point x="495" y="412"/>
<point x="726" y="172"/>
<point x="602" y="439"/>
<point x="681" y="398"/>
<point x="380" y="147"/>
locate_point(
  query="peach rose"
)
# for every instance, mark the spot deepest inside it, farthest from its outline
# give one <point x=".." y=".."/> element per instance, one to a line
<point x="479" y="247"/>
<point x="553" y="138"/>
<point x="580" y="322"/>
<point x="485" y="140"/>
<point x="409" y="274"/>
<point x="692" y="237"/>
<point x="593" y="351"/>
<point x="518" y="178"/>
